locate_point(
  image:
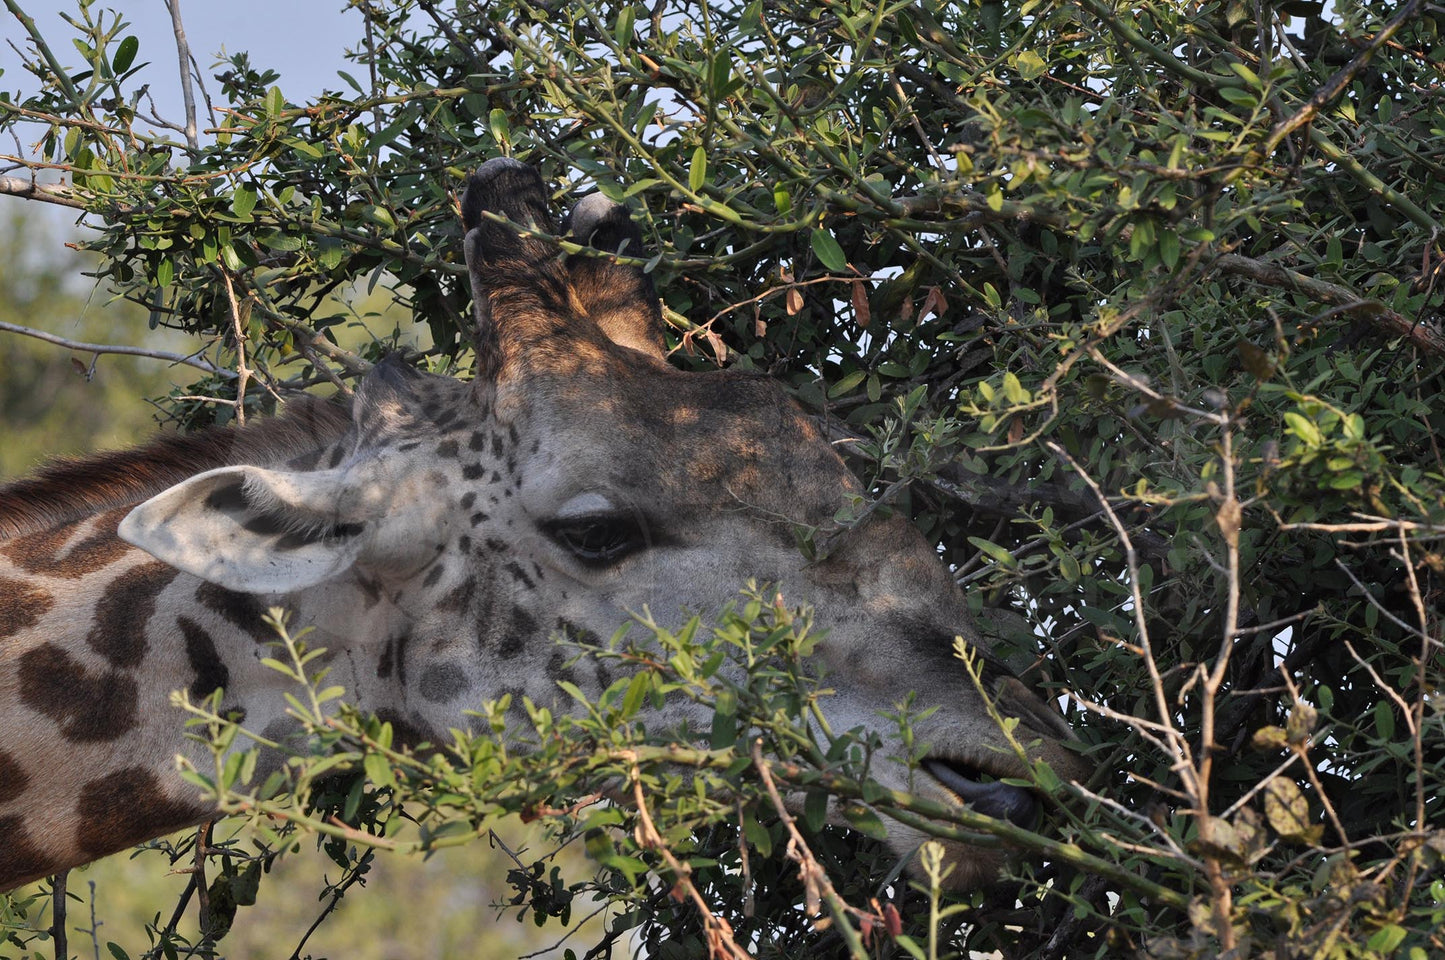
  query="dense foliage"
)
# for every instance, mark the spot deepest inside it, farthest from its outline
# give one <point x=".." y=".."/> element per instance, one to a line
<point x="1137" y="311"/>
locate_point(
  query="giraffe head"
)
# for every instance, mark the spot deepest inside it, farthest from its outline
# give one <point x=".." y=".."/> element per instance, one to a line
<point x="457" y="528"/>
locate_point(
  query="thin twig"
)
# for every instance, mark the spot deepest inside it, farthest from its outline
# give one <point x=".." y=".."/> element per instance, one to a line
<point x="183" y="52"/>
<point x="720" y="939"/>
<point x="57" y="920"/>
<point x="815" y="879"/>
<point x="243" y="372"/>
<point x="190" y="361"/>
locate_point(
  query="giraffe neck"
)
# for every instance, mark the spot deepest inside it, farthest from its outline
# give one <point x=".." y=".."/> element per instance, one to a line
<point x="96" y="634"/>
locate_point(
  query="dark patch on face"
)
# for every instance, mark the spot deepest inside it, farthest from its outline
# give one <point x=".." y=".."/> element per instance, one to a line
<point x="405" y="732"/>
<point x="205" y="659"/>
<point x="124" y="609"/>
<point x="88" y="707"/>
<point x="477" y="441"/>
<point x="576" y="633"/>
<point x="238" y="609"/>
<point x="384" y="667"/>
<point x="496" y="446"/>
<point x="519" y="574"/>
<point x="464" y="544"/>
<point x="442" y="682"/>
<point x="460" y="597"/>
<point x="39" y="553"/>
<point x="468" y="499"/>
<point x="512" y="433"/>
<point x="336" y="457"/>
<point x="445" y="421"/>
<point x="370" y="590"/>
<point x="13" y="779"/>
<point x="20" y="860"/>
<point x="496" y="546"/>
<point x="447" y="449"/>
<point x="472" y="471"/>
<point x="478" y="518"/>
<point x="434" y="575"/>
<point x="402" y="642"/>
<point x="126" y="807"/>
<point x="523" y="628"/>
<point x="21" y="605"/>
<point x="557" y="667"/>
<point x="409" y="447"/>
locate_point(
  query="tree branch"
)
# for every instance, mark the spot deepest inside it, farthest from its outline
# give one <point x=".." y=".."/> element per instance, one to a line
<point x="56" y="193"/>
<point x="1372" y="311"/>
<point x="190" y="361"/>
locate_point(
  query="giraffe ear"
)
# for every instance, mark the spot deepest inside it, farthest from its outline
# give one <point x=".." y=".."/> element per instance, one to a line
<point x="620" y="298"/>
<point x="252" y="530"/>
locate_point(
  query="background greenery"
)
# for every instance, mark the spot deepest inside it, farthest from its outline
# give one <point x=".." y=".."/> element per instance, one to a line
<point x="1136" y="311"/>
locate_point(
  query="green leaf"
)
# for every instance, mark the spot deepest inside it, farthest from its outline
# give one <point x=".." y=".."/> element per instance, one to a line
<point x="243" y="201"/>
<point x="1303" y="429"/>
<point x="124" y="55"/>
<point x="378" y="770"/>
<point x="757" y="834"/>
<point x="498" y="125"/>
<point x="697" y="173"/>
<point x="1387" y="938"/>
<point x="622" y="33"/>
<point x="1169" y="248"/>
<point x="865" y="821"/>
<point x="828" y="251"/>
<point x="994" y="550"/>
<point x="1239" y="97"/>
<point x="846" y="384"/>
<point x="815" y="809"/>
<point x="1030" y="65"/>
<point x="275" y="102"/>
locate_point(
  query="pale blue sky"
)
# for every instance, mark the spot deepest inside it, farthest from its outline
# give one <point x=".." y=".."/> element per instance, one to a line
<point x="304" y="40"/>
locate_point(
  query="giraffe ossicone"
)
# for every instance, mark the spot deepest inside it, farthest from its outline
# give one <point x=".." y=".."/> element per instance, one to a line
<point x="439" y="535"/>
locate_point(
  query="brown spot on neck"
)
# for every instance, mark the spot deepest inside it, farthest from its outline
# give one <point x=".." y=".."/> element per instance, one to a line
<point x="21" y="606"/>
<point x="20" y="860"/>
<point x="124" y="609"/>
<point x="50" y="553"/>
<point x="13" y="778"/>
<point x="126" y="807"/>
<point x="89" y="707"/>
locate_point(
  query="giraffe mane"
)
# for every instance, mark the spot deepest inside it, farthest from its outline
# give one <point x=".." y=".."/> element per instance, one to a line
<point x="69" y="488"/>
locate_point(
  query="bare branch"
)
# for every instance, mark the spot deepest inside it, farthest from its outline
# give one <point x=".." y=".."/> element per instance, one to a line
<point x="1373" y="312"/>
<point x="183" y="52"/>
<point x="56" y="193"/>
<point x="190" y="361"/>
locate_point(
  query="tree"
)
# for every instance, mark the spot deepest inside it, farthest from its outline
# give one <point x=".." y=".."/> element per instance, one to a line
<point x="1136" y="311"/>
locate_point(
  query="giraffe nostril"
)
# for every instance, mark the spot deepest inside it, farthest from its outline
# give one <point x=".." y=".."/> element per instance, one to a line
<point x="994" y="799"/>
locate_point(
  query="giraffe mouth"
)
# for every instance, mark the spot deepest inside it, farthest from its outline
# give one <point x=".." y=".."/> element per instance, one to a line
<point x="982" y="793"/>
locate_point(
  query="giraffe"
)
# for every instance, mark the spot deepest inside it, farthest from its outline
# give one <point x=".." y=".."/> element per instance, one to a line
<point x="440" y="534"/>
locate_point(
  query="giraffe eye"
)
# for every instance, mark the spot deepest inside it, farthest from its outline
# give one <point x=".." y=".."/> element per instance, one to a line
<point x="598" y="541"/>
